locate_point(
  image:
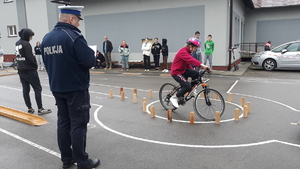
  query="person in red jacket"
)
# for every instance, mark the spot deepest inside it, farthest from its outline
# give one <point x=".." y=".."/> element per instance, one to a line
<point x="181" y="69"/>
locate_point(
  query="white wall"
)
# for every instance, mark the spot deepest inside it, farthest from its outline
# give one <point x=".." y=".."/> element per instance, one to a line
<point x="37" y="19"/>
<point x="216" y="22"/>
<point x="239" y="9"/>
<point x="8" y="17"/>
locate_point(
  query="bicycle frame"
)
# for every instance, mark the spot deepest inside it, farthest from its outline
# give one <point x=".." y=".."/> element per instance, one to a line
<point x="199" y="81"/>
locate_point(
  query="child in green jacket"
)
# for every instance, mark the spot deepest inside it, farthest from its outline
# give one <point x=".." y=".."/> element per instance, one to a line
<point x="209" y="49"/>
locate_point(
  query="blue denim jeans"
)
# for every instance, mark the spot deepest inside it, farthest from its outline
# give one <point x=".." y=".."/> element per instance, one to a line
<point x="124" y="60"/>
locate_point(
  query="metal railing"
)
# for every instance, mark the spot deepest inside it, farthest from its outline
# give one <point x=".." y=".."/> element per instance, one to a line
<point x="252" y="47"/>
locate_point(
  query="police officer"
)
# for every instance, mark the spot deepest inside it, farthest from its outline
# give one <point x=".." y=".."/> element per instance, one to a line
<point x="67" y="59"/>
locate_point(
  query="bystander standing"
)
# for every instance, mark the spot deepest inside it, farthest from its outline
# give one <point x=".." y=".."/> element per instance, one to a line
<point x="27" y="70"/>
<point x="165" y="53"/>
<point x="124" y="53"/>
<point x="155" y="50"/>
<point x="107" y="49"/>
<point x="146" y="48"/>
<point x="1" y="57"/>
<point x="38" y="55"/>
<point x="209" y="49"/>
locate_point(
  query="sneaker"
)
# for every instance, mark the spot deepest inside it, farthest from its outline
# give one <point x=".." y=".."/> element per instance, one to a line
<point x="110" y="68"/>
<point x="122" y="69"/>
<point x="163" y="70"/>
<point x="68" y="165"/>
<point x="127" y="69"/>
<point x="105" y="68"/>
<point x="31" y="111"/>
<point x="174" y="101"/>
<point x="44" y="111"/>
<point x="148" y="70"/>
<point x="181" y="101"/>
<point x="145" y="70"/>
<point x="166" y="70"/>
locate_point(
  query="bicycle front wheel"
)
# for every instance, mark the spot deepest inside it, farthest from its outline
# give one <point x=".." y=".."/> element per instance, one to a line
<point x="207" y="102"/>
<point x="166" y="91"/>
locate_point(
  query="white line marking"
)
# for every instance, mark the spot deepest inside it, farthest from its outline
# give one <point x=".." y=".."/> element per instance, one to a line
<point x="106" y="94"/>
<point x="47" y="95"/>
<point x="200" y="122"/>
<point x="287" y="143"/>
<point x="118" y="87"/>
<point x="187" y="145"/>
<point x="294" y="124"/>
<point x="39" y="146"/>
<point x="30" y="143"/>
<point x="269" y="100"/>
<point x="232" y="86"/>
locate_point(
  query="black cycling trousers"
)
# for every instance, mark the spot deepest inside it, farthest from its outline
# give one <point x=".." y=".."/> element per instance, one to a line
<point x="182" y="80"/>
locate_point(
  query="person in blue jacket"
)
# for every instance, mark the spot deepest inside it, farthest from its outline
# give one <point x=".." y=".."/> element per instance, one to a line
<point x="67" y="59"/>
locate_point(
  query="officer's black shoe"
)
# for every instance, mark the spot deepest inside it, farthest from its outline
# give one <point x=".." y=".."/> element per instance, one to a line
<point x="92" y="164"/>
<point x="68" y="165"/>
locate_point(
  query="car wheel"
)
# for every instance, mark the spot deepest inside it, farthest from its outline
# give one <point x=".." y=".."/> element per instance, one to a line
<point x="269" y="64"/>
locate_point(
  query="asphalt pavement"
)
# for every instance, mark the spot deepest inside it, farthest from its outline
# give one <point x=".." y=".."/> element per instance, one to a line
<point x="123" y="136"/>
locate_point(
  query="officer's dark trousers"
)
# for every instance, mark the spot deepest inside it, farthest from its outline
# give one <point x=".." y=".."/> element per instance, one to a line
<point x="73" y="116"/>
<point x="27" y="79"/>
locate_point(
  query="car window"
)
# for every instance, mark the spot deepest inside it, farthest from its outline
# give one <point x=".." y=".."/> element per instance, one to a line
<point x="280" y="48"/>
<point x="293" y="47"/>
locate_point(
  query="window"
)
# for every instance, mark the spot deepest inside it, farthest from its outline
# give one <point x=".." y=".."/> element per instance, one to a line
<point x="280" y="48"/>
<point x="12" y="30"/>
<point x="293" y="47"/>
<point x="6" y="1"/>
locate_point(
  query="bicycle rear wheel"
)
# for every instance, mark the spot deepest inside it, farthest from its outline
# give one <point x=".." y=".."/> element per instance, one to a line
<point x="166" y="91"/>
<point x="207" y="102"/>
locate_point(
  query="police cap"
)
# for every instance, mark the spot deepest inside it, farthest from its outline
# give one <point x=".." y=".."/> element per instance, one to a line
<point x="74" y="10"/>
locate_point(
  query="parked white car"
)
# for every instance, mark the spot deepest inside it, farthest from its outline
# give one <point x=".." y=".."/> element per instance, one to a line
<point x="283" y="56"/>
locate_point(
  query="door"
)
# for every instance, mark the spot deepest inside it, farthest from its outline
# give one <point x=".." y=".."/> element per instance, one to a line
<point x="291" y="58"/>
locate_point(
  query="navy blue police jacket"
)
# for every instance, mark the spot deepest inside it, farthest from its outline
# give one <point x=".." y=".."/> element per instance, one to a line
<point x="67" y="58"/>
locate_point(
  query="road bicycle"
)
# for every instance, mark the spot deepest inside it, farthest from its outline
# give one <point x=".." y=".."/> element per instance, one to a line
<point x="206" y="102"/>
<point x="15" y="64"/>
<point x="236" y="66"/>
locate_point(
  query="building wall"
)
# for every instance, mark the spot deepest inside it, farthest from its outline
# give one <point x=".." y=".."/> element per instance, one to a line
<point x="133" y="20"/>
<point x="278" y="25"/>
<point x="8" y="17"/>
<point x="137" y="19"/>
<point x="238" y="24"/>
<point x="33" y="14"/>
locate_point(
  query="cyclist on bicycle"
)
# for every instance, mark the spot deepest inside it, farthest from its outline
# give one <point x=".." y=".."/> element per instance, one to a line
<point x="181" y="69"/>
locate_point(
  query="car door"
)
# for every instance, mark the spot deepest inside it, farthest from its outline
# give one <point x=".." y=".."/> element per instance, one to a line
<point x="291" y="55"/>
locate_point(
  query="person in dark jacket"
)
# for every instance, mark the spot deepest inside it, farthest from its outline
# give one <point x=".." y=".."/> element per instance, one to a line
<point x="165" y="53"/>
<point x="107" y="48"/>
<point x="99" y="60"/>
<point x="27" y="70"/>
<point x="268" y="46"/>
<point x="155" y="50"/>
<point x="68" y="58"/>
